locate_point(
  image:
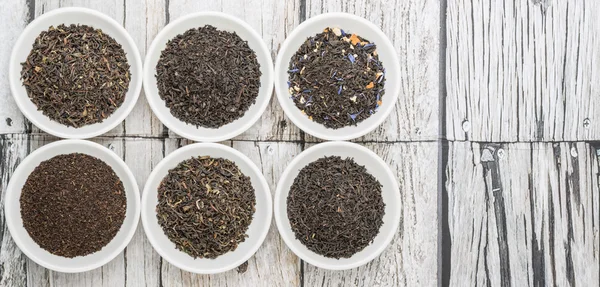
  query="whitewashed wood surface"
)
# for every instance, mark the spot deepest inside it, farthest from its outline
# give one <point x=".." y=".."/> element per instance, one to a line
<point x="494" y="141"/>
<point x="523" y="70"/>
<point x="406" y="139"/>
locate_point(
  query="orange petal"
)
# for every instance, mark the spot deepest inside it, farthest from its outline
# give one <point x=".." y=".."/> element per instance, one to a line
<point x="370" y="85"/>
<point x="354" y="39"/>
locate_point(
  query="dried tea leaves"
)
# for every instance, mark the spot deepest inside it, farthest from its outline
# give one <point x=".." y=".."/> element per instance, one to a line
<point x="208" y="77"/>
<point x="335" y="207"/>
<point x="76" y="75"/>
<point x="73" y="205"/>
<point x="205" y="206"/>
<point x="336" y="79"/>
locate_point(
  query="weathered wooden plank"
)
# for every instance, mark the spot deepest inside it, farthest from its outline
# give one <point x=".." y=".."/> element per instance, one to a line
<point x="413" y="28"/>
<point x="273" y="264"/>
<point x="143" y="263"/>
<point x="15" y="15"/>
<point x="411" y="258"/>
<point x="523" y="70"/>
<point x="143" y="20"/>
<point x="13" y="149"/>
<point x="522" y="214"/>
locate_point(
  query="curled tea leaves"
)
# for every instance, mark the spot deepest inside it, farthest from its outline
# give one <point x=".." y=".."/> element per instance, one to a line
<point x="76" y="75"/>
<point x="335" y="207"/>
<point x="208" y="77"/>
<point x="205" y="206"/>
<point x="336" y="66"/>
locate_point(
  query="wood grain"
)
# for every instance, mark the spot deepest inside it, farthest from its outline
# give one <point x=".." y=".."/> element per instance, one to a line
<point x="411" y="258"/>
<point x="15" y="15"/>
<point x="523" y="70"/>
<point x="522" y="214"/>
<point x="13" y="149"/>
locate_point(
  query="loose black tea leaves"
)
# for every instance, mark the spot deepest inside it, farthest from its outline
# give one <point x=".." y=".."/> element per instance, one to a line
<point x="208" y="77"/>
<point x="73" y="205"/>
<point x="76" y="75"/>
<point x="335" y="207"/>
<point x="205" y="206"/>
<point x="336" y="79"/>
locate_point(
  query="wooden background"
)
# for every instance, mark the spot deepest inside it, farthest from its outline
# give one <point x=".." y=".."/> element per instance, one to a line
<point x="495" y="141"/>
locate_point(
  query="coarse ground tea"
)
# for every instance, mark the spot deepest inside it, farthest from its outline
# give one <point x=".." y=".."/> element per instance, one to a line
<point x="73" y="205"/>
<point x="336" y="78"/>
<point x="205" y="206"/>
<point x="208" y="77"/>
<point x="76" y="75"/>
<point x="335" y="207"/>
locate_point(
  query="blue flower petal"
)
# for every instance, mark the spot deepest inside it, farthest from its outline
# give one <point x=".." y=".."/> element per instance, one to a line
<point x="351" y="58"/>
<point x="294" y="70"/>
<point x="289" y="84"/>
<point x="340" y="90"/>
<point x="343" y="33"/>
<point x="368" y="45"/>
<point x="332" y="76"/>
<point x="353" y="116"/>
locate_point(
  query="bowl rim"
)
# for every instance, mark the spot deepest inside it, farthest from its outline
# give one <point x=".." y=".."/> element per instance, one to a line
<point x="14" y="75"/>
<point x="193" y="150"/>
<point x="293" y="243"/>
<point x="293" y="113"/>
<point x="29" y="159"/>
<point x="154" y="99"/>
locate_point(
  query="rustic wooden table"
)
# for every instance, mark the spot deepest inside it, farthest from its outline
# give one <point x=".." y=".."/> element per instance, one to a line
<point x="495" y="141"/>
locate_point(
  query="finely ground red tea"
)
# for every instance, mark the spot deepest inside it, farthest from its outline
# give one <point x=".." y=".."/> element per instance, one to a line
<point x="335" y="207"/>
<point x="73" y="205"/>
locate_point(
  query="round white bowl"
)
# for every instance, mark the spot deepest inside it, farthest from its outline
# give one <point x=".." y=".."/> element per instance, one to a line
<point x="12" y="207"/>
<point x="350" y="24"/>
<point x="257" y="231"/>
<point x="69" y="16"/>
<point x="389" y="191"/>
<point x="222" y="22"/>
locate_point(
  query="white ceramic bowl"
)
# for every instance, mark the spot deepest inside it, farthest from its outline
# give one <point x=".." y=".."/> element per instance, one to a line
<point x="222" y="22"/>
<point x="350" y="24"/>
<point x="69" y="16"/>
<point x="390" y="193"/>
<point x="257" y="231"/>
<point x="12" y="207"/>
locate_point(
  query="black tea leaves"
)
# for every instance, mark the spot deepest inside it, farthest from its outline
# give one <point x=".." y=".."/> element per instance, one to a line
<point x="335" y="207"/>
<point x="205" y="206"/>
<point x="76" y="75"/>
<point x="208" y="77"/>
<point x="336" y="79"/>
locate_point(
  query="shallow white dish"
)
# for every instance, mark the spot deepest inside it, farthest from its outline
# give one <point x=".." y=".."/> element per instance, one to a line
<point x="257" y="231"/>
<point x="12" y="207"/>
<point x="350" y="24"/>
<point x="390" y="193"/>
<point x="69" y="16"/>
<point x="222" y="22"/>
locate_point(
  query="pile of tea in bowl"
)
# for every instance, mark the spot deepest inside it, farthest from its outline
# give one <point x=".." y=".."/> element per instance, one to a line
<point x="73" y="205"/>
<point x="76" y="75"/>
<point x="208" y="77"/>
<point x="336" y="78"/>
<point x="335" y="207"/>
<point x="205" y="206"/>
